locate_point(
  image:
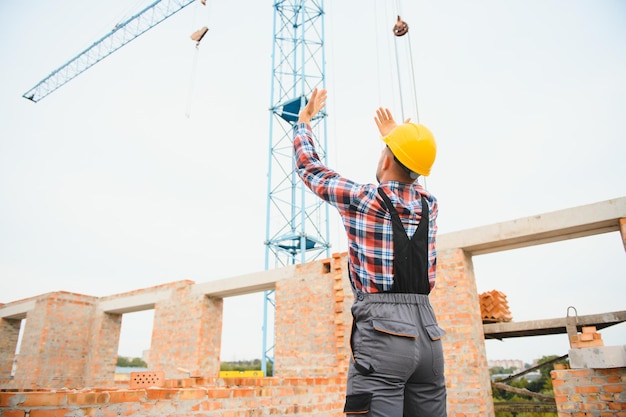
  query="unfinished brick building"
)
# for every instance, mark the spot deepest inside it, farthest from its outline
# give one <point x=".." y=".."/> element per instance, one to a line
<point x="70" y="340"/>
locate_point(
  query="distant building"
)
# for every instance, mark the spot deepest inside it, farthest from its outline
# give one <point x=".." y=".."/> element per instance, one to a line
<point x="507" y="364"/>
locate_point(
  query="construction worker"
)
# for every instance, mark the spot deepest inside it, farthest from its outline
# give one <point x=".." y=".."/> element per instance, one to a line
<point x="397" y="367"/>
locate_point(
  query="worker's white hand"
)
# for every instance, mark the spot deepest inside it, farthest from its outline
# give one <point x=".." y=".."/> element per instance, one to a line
<point x="315" y="104"/>
<point x="385" y="122"/>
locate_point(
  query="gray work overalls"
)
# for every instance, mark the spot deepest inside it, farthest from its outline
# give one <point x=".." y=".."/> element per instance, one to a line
<point x="397" y="364"/>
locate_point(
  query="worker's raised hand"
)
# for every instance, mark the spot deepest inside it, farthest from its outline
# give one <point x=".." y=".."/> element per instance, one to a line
<point x="385" y="122"/>
<point x="315" y="104"/>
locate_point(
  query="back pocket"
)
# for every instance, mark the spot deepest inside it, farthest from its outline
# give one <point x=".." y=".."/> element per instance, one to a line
<point x="388" y="346"/>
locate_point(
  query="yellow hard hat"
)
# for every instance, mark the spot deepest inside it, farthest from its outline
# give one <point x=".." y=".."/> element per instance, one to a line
<point x="414" y="146"/>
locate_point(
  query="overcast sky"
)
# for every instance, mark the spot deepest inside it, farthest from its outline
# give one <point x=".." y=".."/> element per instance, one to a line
<point x="151" y="166"/>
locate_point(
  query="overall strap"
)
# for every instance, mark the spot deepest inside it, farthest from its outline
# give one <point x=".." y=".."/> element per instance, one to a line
<point x="410" y="262"/>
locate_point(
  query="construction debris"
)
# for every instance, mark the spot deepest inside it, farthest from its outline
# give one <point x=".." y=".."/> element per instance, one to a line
<point x="494" y="307"/>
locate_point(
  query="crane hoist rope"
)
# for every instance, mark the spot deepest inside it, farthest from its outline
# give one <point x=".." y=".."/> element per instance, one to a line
<point x="401" y="32"/>
<point x="402" y="35"/>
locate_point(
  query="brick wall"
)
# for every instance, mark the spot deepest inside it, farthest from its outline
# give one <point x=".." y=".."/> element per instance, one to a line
<point x="60" y="322"/>
<point x="455" y="301"/>
<point x="187" y="333"/>
<point x="101" y="357"/>
<point x="9" y="332"/>
<point x="259" y="397"/>
<point x="590" y="392"/>
<point x="312" y="326"/>
<point x="304" y="323"/>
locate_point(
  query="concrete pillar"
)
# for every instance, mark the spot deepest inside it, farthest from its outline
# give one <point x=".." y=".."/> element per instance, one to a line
<point x="9" y="332"/>
<point x="186" y="333"/>
<point x="456" y="304"/>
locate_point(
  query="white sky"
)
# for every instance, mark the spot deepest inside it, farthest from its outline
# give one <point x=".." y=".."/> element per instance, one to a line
<point x="139" y="172"/>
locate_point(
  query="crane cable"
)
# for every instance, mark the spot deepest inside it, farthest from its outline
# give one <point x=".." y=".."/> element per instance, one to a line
<point x="400" y="30"/>
<point x="197" y="37"/>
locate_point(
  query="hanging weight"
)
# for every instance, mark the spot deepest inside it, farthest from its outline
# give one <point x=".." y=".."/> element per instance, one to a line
<point x="400" y="28"/>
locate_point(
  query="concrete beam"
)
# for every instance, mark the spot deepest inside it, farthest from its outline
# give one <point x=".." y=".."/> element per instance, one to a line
<point x="245" y="284"/>
<point x="132" y="303"/>
<point x="544" y="327"/>
<point x="17" y="310"/>
<point x="581" y="221"/>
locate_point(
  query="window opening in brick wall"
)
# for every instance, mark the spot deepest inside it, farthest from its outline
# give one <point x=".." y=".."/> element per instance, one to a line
<point x="540" y="282"/>
<point x="18" y="345"/>
<point x="242" y="329"/>
<point x="134" y="344"/>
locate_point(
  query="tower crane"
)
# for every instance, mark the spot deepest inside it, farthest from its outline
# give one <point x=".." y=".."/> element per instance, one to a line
<point x="121" y="34"/>
<point x="297" y="228"/>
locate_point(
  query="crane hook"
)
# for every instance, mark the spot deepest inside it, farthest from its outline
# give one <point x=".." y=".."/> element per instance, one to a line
<point x="400" y="28"/>
<point x="199" y="34"/>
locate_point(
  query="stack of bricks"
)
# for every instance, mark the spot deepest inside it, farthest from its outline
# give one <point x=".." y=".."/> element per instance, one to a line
<point x="494" y="307"/>
<point x="588" y="338"/>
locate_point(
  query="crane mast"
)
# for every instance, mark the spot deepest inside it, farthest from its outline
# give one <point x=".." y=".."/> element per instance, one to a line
<point x="121" y="34"/>
<point x="297" y="229"/>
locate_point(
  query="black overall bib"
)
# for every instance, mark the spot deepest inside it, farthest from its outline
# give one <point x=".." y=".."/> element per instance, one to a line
<point x="397" y="367"/>
<point x="410" y="260"/>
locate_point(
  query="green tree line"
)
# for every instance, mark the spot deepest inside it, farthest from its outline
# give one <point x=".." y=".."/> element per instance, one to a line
<point x="542" y="385"/>
<point x="125" y="362"/>
<point x="249" y="365"/>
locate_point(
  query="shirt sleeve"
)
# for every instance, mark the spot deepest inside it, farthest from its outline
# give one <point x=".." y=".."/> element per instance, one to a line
<point x="321" y="180"/>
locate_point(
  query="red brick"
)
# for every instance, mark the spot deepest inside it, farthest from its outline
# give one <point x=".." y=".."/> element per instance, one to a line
<point x="87" y="398"/>
<point x="9" y="399"/>
<point x="617" y="406"/>
<point x="126" y="396"/>
<point x="161" y="394"/>
<point x="51" y="399"/>
<point x="590" y="389"/>
<point x="617" y="388"/>
<point x="192" y="394"/>
<point x="219" y="393"/>
<point x="12" y="413"/>
<point x="58" y="412"/>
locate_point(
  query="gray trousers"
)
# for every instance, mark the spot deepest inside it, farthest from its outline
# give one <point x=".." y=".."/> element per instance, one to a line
<point x="397" y="367"/>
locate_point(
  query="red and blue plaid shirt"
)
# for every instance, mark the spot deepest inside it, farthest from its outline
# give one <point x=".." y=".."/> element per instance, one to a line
<point x="367" y="222"/>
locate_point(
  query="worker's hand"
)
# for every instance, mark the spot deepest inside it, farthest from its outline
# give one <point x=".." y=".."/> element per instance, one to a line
<point x="315" y="104"/>
<point x="385" y="122"/>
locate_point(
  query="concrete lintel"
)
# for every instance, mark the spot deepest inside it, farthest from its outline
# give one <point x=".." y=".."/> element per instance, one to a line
<point x="17" y="310"/>
<point x="133" y="303"/>
<point x="581" y="221"/>
<point x="245" y="284"/>
<point x="600" y="357"/>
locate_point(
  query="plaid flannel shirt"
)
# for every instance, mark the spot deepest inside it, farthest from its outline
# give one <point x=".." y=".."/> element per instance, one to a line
<point x="365" y="218"/>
